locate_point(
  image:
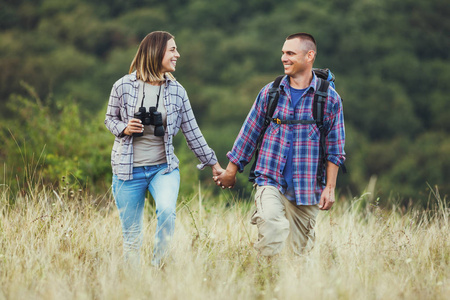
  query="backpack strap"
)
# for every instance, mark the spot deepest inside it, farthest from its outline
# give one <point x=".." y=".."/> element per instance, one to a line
<point x="278" y="121"/>
<point x="274" y="95"/>
<point x="272" y="102"/>
<point x="320" y="97"/>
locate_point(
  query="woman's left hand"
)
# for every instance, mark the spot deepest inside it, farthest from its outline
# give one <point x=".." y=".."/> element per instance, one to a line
<point x="217" y="169"/>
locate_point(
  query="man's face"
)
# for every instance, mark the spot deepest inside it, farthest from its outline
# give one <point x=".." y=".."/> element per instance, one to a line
<point x="171" y="55"/>
<point x="294" y="57"/>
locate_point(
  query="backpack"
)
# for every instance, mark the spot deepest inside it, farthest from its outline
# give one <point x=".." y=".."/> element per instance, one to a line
<point x="326" y="78"/>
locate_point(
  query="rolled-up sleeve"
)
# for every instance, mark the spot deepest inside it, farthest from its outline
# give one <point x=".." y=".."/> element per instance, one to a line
<point x="245" y="144"/>
<point x="113" y="120"/>
<point x="194" y="137"/>
<point x="335" y="139"/>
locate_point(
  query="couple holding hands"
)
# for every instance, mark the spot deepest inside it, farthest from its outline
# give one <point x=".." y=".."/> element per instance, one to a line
<point x="147" y="108"/>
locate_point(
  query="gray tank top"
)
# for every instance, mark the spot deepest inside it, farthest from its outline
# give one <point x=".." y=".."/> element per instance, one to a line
<point x="149" y="149"/>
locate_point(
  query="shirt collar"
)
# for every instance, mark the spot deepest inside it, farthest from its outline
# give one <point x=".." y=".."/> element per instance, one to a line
<point x="284" y="84"/>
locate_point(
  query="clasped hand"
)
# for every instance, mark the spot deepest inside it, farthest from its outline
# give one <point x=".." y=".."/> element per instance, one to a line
<point x="226" y="179"/>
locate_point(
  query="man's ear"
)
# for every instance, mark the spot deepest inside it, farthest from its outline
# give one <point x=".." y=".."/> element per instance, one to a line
<point x="311" y="55"/>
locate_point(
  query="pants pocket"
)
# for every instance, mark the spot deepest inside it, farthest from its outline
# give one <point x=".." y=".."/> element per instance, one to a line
<point x="257" y="215"/>
<point x="310" y="228"/>
<point x="254" y="218"/>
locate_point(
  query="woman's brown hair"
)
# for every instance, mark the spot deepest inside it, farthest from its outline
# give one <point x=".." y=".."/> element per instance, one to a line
<point x="148" y="59"/>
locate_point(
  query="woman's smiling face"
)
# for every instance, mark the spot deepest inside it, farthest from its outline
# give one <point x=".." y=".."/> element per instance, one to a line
<point x="171" y="55"/>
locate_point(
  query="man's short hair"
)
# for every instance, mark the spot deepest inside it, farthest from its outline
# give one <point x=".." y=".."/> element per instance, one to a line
<point x="305" y="37"/>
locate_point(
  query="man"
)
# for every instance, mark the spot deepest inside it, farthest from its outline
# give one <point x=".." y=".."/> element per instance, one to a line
<point x="288" y="195"/>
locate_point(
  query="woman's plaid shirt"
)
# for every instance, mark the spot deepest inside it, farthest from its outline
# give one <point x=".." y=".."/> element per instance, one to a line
<point x="121" y="108"/>
<point x="275" y="144"/>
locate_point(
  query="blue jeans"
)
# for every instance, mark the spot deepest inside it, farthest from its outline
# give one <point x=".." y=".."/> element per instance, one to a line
<point x="130" y="197"/>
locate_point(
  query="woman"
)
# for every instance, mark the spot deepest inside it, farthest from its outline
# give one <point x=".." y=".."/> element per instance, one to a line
<point x="146" y="109"/>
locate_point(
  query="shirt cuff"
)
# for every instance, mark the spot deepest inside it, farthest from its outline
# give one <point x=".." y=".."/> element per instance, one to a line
<point x="121" y="129"/>
<point x="336" y="159"/>
<point x="211" y="162"/>
<point x="235" y="161"/>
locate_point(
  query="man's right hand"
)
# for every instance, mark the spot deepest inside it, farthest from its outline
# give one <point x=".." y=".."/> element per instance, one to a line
<point x="228" y="178"/>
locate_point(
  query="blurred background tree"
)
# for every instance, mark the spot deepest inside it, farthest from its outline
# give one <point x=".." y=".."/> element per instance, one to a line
<point x="390" y="58"/>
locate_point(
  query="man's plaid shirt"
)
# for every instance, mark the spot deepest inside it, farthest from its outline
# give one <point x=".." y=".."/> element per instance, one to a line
<point x="275" y="144"/>
<point x="121" y="108"/>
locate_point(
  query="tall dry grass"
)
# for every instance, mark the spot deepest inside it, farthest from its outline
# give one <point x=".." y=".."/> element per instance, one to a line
<point x="56" y="245"/>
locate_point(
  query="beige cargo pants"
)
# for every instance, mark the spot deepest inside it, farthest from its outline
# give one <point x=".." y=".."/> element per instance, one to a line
<point x="280" y="221"/>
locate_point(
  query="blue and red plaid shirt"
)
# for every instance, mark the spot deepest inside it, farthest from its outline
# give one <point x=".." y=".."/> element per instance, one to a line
<point x="275" y="144"/>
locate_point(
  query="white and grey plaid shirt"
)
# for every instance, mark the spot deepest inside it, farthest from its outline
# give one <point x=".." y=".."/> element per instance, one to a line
<point x="121" y="108"/>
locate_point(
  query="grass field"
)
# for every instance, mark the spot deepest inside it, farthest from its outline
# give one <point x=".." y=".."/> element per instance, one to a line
<point x="58" y="245"/>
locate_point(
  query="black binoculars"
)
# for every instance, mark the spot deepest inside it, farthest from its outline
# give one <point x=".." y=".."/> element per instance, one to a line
<point x="153" y="117"/>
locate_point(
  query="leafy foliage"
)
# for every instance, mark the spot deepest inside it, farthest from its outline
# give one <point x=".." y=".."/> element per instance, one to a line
<point x="390" y="58"/>
<point x="56" y="143"/>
